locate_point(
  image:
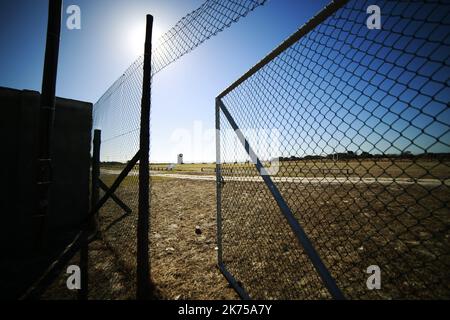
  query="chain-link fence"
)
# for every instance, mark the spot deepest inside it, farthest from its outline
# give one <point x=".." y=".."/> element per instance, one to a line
<point x="109" y="258"/>
<point x="350" y="126"/>
<point x="117" y="115"/>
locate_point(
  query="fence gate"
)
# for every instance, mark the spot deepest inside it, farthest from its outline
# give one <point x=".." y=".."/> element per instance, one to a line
<point x="333" y="159"/>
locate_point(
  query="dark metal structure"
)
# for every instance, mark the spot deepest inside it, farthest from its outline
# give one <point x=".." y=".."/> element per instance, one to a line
<point x="46" y="118"/>
<point x="143" y="263"/>
<point x="21" y="263"/>
<point x="81" y="240"/>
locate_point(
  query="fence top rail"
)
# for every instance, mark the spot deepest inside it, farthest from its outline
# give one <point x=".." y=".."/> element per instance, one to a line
<point x="326" y="12"/>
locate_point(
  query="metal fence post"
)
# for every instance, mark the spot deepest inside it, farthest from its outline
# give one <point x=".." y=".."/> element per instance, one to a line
<point x="218" y="187"/>
<point x="45" y="120"/>
<point x="142" y="259"/>
<point x="92" y="227"/>
<point x="301" y="235"/>
<point x="95" y="174"/>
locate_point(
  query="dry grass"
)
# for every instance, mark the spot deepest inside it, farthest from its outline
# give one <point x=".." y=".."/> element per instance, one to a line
<point x="107" y="279"/>
<point x="183" y="262"/>
<point x="403" y="229"/>
<point x="385" y="167"/>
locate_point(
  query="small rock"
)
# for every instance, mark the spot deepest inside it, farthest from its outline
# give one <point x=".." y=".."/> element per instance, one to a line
<point x="198" y="230"/>
<point x="170" y="250"/>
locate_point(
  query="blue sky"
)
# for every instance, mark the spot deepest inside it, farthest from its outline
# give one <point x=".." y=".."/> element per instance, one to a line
<point x="183" y="94"/>
<point x="356" y="89"/>
<point x="92" y="58"/>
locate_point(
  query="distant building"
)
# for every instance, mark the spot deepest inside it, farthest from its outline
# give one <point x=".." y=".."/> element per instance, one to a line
<point x="180" y="159"/>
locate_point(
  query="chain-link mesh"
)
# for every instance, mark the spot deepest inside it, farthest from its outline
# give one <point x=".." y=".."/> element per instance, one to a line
<point x="117" y="115"/>
<point x="354" y="124"/>
<point x="212" y="17"/>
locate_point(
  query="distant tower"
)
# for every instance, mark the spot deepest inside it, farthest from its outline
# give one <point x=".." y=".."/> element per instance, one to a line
<point x="180" y="158"/>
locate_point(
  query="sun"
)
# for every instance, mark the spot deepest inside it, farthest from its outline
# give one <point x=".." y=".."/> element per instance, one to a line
<point x="136" y="38"/>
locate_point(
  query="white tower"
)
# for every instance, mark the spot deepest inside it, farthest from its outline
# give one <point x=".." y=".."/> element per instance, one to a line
<point x="180" y="159"/>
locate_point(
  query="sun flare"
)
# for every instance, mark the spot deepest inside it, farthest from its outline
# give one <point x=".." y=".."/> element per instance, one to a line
<point x="136" y="38"/>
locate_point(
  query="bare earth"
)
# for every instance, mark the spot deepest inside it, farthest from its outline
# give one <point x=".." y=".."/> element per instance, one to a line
<point x="184" y="263"/>
<point x="399" y="222"/>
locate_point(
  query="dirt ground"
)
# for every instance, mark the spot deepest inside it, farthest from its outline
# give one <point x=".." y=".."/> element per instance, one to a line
<point x="402" y="228"/>
<point x="184" y="262"/>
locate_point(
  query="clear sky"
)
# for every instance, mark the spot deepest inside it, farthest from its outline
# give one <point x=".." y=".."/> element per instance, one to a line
<point x="183" y="94"/>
